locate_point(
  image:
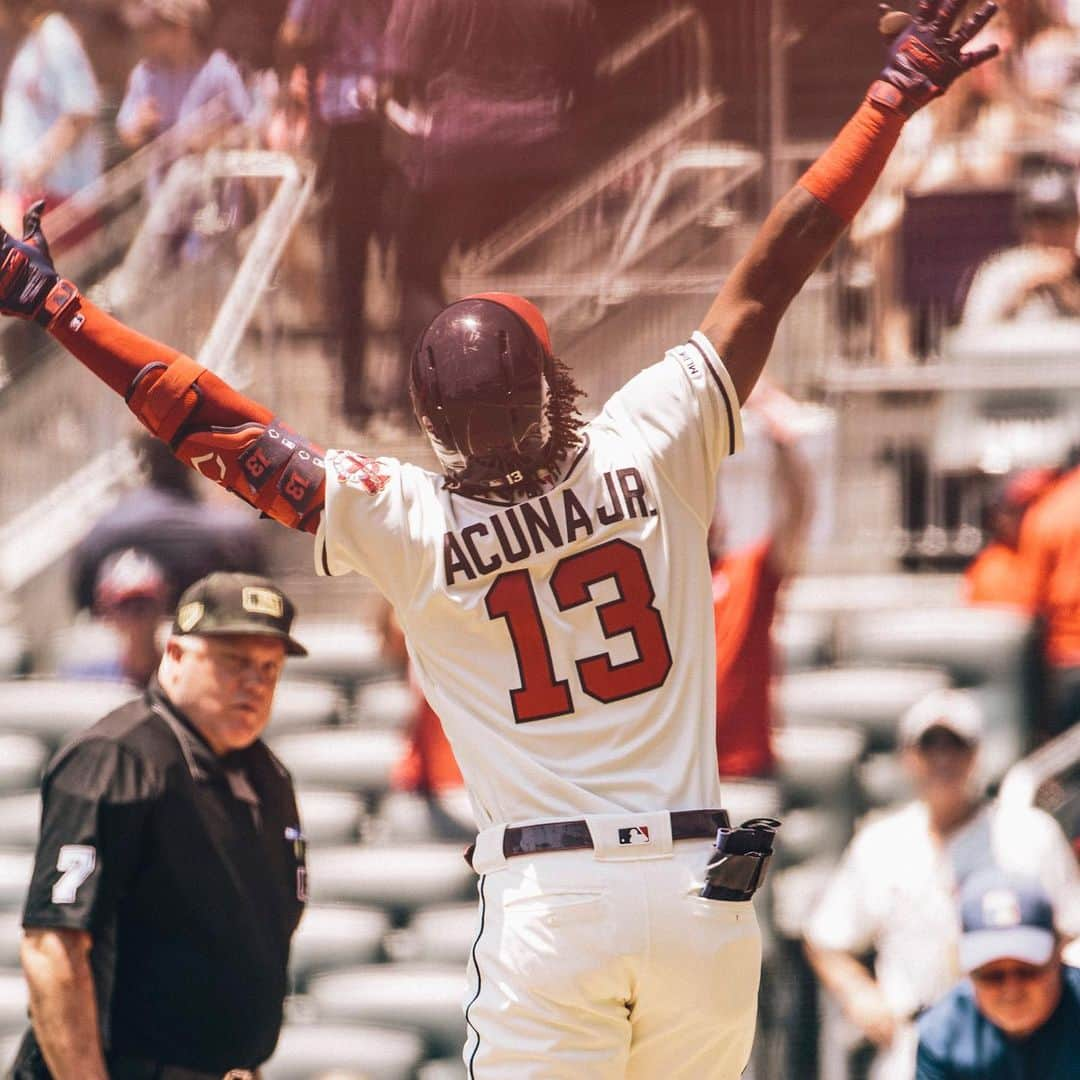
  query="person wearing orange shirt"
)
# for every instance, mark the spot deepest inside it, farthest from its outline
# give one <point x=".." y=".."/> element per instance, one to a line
<point x="1050" y="551"/>
<point x="746" y="583"/>
<point x="997" y="575"/>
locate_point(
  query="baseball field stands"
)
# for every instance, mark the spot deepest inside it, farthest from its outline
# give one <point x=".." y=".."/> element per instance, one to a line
<point x="350" y="758"/>
<point x="22" y="757"/>
<point x="345" y="1052"/>
<point x="332" y="937"/>
<point x="13" y="1002"/>
<point x="330" y="817"/>
<point x="20" y="816"/>
<point x="424" y="997"/>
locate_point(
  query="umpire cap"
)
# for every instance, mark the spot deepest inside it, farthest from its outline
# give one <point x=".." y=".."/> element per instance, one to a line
<point x="225" y="603"/>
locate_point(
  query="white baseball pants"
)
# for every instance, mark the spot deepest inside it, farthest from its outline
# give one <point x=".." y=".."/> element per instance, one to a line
<point x="607" y="964"/>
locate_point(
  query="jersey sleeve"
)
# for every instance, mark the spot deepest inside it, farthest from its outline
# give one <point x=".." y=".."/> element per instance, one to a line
<point x="95" y="802"/>
<point x="684" y="413"/>
<point x="372" y="518"/>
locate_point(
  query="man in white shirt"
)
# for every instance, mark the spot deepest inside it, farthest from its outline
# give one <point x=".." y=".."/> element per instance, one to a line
<point x="895" y="890"/>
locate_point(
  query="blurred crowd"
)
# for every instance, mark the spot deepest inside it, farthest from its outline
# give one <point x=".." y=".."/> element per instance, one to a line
<point x="433" y="124"/>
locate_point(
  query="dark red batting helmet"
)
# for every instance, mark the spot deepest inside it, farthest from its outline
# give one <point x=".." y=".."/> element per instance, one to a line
<point x="481" y="382"/>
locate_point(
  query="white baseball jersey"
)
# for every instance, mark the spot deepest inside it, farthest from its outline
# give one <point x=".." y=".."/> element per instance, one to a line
<point x="565" y="641"/>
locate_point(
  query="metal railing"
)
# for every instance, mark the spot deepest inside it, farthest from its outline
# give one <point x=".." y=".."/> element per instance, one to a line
<point x="67" y="432"/>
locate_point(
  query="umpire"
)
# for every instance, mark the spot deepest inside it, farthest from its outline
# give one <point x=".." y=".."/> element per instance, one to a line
<point x="170" y="870"/>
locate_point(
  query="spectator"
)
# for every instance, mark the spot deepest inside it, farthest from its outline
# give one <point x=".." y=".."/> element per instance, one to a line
<point x="1037" y="278"/>
<point x="341" y="42"/>
<point x="498" y="88"/>
<point x="165" y="520"/>
<point x="178" y="79"/>
<point x="1050" y="551"/>
<point x="996" y="575"/>
<point x="1018" y="1013"/>
<point x="131" y="597"/>
<point x="746" y="583"/>
<point x="50" y="145"/>
<point x="895" y="889"/>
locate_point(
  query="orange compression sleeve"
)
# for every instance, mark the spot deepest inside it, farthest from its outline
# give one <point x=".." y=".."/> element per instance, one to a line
<point x="844" y="175"/>
<point x="234" y="441"/>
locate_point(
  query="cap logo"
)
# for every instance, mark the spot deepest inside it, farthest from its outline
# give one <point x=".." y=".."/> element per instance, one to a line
<point x="259" y="601"/>
<point x="189" y="616"/>
<point x="1000" y="909"/>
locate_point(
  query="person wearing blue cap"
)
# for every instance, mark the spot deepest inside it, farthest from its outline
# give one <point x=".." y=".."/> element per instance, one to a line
<point x="1017" y="1015"/>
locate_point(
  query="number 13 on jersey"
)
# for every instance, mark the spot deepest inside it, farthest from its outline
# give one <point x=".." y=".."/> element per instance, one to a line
<point x="542" y="693"/>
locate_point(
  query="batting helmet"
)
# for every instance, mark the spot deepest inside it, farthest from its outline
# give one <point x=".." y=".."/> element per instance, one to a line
<point x="481" y="383"/>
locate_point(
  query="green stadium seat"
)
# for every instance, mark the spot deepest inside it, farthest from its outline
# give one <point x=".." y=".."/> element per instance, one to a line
<point x="347" y="758"/>
<point x="51" y="708"/>
<point x="871" y="699"/>
<point x="20" y="818"/>
<point x="327" y="817"/>
<point x="344" y="1052"/>
<point x="22" y="761"/>
<point x="335" y="936"/>
<point x="429" y="998"/>
<point x="400" y="878"/>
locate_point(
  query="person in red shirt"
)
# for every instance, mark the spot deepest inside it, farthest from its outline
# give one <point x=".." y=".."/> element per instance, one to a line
<point x="997" y="575"/>
<point x="1049" y="550"/>
<point x="745" y="587"/>
<point x="428" y="766"/>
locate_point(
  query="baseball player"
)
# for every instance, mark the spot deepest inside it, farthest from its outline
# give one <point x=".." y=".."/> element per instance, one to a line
<point x="554" y="587"/>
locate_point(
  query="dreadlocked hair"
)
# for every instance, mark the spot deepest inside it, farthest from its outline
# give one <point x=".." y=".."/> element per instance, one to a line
<point x="566" y="435"/>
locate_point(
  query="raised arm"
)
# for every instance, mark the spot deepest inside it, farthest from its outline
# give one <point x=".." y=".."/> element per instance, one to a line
<point x="219" y="432"/>
<point x="924" y="59"/>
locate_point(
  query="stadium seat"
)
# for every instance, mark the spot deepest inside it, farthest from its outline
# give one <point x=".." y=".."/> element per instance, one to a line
<point x="327" y="817"/>
<point x="816" y="763"/>
<point x="387" y="704"/>
<point x="299" y="706"/>
<point x="9" y="1046"/>
<point x="869" y="698"/>
<point x="16" y="867"/>
<point x="443" y="1069"/>
<point x="803" y="639"/>
<point x="54" y="708"/>
<point x="795" y="891"/>
<point x="20" y="818"/>
<point x="402" y="879"/>
<point x="744" y="799"/>
<point x="12" y="652"/>
<point x="350" y="758"/>
<point x="10" y="940"/>
<point x="344" y="1052"/>
<point x="404" y="818"/>
<point x="443" y="934"/>
<point x="426" y="997"/>
<point x="331" y="937"/>
<point x="22" y="759"/>
<point x="13" y="1002"/>
<point x="810" y="832"/>
<point x="339" y="652"/>
<point x="975" y="644"/>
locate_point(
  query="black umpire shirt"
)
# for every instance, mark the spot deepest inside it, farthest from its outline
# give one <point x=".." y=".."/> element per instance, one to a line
<point x="188" y="871"/>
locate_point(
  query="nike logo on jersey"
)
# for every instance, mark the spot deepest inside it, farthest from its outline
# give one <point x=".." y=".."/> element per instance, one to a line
<point x="541" y="525"/>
